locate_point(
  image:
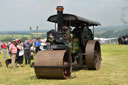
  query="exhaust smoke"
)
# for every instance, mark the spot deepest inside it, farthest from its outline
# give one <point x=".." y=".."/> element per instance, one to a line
<point x="124" y="14"/>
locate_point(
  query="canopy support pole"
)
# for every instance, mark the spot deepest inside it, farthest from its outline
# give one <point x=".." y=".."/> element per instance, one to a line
<point x="55" y="27"/>
<point x="93" y="32"/>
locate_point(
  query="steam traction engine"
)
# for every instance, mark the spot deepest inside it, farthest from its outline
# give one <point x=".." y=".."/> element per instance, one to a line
<point x="71" y="44"/>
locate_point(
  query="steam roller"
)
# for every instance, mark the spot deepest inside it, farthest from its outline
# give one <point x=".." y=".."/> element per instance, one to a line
<point x="71" y="44"/>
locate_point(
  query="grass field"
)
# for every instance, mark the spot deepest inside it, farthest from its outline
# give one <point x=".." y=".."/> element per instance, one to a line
<point x="114" y="71"/>
<point x="19" y="36"/>
<point x="15" y="36"/>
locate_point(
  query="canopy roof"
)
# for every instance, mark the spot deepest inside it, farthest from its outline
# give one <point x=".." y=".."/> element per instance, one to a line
<point x="72" y="20"/>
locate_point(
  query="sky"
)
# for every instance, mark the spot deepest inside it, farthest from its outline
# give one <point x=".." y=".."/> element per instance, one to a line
<point x="22" y="14"/>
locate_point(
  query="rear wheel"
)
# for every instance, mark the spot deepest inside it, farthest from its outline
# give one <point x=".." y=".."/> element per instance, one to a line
<point x="93" y="55"/>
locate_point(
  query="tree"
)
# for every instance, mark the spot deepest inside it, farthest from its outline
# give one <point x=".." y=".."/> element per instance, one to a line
<point x="7" y="39"/>
<point x="23" y="39"/>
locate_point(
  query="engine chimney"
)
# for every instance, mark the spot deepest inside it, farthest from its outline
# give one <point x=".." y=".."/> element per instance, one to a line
<point x="60" y="17"/>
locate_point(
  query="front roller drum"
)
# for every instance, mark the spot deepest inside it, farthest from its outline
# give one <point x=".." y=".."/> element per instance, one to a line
<point x="52" y="64"/>
<point x="93" y="55"/>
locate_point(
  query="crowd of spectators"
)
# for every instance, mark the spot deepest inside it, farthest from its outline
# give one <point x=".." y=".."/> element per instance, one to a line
<point x="18" y="51"/>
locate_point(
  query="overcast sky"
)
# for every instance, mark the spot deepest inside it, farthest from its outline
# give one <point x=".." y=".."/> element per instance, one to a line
<point x="20" y="14"/>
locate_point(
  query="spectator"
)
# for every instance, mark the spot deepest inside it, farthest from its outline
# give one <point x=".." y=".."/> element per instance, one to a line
<point x="0" y="64"/>
<point x="37" y="44"/>
<point x="4" y="47"/>
<point x="17" y="41"/>
<point x="27" y="45"/>
<point x="0" y="47"/>
<point x="32" y="52"/>
<point x="13" y="50"/>
<point x="17" y="52"/>
<point x="8" y="45"/>
<point x="20" y="52"/>
<point x="126" y="40"/>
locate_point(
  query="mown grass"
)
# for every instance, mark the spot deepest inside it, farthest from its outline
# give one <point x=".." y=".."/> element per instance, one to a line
<point x="114" y="71"/>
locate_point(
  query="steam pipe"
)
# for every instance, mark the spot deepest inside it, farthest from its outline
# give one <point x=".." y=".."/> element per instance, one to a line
<point x="60" y="17"/>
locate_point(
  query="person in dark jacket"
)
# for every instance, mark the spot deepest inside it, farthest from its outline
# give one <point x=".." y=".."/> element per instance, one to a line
<point x="20" y="52"/>
<point x="27" y="45"/>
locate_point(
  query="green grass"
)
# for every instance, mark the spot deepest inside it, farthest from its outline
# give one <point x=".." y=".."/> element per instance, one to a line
<point x="19" y="36"/>
<point x="114" y="71"/>
<point x="15" y="36"/>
